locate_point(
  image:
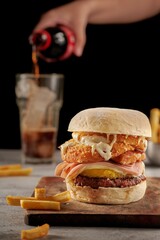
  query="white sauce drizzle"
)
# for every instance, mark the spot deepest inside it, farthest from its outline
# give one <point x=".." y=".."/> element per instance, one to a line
<point x="98" y="143"/>
<point x="65" y="145"/>
<point x="144" y="141"/>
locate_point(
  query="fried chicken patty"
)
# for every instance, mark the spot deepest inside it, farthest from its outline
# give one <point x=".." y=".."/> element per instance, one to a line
<point x="122" y="149"/>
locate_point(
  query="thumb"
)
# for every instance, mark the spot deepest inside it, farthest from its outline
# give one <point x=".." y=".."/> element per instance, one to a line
<point x="80" y="42"/>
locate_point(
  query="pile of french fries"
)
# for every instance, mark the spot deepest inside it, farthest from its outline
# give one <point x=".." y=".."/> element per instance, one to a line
<point x="40" y="201"/>
<point x="14" y="170"/>
<point x="155" y="124"/>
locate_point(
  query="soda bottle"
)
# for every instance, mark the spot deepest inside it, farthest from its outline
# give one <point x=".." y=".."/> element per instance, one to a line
<point x="53" y="43"/>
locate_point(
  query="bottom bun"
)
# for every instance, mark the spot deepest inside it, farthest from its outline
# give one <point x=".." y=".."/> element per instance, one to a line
<point x="107" y="195"/>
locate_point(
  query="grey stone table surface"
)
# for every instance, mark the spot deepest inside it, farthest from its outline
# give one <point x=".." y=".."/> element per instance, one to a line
<point x="12" y="217"/>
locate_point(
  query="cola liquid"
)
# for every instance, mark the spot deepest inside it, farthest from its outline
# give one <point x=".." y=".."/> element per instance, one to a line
<point x="52" y="44"/>
<point x="39" y="143"/>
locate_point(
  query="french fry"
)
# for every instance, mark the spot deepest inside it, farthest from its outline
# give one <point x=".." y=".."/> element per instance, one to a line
<point x="60" y="197"/>
<point x="155" y="123"/>
<point x="40" y="194"/>
<point x="40" y="204"/>
<point x="15" y="172"/>
<point x="15" y="200"/>
<point x="159" y="134"/>
<point x="10" y="166"/>
<point x="36" y="232"/>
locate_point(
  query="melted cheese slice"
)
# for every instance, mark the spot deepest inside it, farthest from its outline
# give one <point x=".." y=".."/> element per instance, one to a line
<point x="102" y="173"/>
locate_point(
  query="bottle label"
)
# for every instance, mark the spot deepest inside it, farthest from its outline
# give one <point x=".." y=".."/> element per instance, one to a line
<point x="71" y="42"/>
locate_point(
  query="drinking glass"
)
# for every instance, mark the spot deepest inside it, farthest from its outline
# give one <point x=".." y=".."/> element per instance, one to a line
<point x="39" y="99"/>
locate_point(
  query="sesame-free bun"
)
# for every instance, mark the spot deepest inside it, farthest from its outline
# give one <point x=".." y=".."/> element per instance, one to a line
<point x="110" y="195"/>
<point x="111" y="121"/>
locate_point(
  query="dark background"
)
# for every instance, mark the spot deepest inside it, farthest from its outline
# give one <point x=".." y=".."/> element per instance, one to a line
<point x="120" y="67"/>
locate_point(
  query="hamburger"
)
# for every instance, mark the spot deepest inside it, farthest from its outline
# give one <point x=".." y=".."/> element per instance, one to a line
<point x="103" y="162"/>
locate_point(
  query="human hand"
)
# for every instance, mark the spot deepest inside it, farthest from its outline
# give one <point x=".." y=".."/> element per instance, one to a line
<point x="74" y="16"/>
<point x="77" y="14"/>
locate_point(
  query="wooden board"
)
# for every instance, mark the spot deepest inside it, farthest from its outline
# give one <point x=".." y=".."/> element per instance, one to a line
<point x="144" y="213"/>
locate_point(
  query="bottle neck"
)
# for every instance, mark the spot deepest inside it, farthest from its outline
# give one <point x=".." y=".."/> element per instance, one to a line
<point x="41" y="39"/>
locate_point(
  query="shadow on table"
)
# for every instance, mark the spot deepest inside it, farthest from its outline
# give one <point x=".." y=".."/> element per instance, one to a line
<point x="13" y="236"/>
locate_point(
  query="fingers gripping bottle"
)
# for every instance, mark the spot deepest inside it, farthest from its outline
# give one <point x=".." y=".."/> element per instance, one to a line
<point x="53" y="43"/>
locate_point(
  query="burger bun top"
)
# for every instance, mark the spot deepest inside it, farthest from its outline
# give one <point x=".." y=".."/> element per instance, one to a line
<point x="111" y="121"/>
